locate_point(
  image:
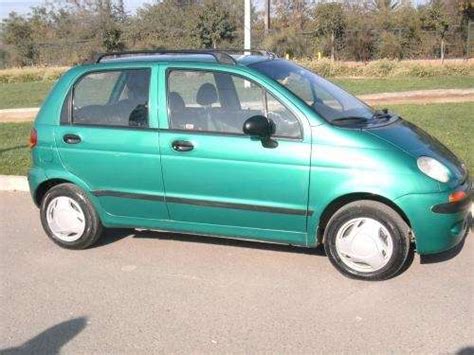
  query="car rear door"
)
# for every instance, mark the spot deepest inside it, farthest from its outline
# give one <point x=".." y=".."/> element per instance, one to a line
<point x="108" y="138"/>
<point x="217" y="179"/>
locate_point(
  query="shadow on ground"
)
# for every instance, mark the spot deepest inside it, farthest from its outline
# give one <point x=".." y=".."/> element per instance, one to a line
<point x="13" y="148"/>
<point x="51" y="340"/>
<point x="114" y="235"/>
<point x="466" y="351"/>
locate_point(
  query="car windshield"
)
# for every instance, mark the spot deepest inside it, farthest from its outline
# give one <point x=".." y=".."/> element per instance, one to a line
<point x="326" y="99"/>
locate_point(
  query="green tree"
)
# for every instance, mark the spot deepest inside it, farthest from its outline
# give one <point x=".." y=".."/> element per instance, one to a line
<point x="111" y="39"/>
<point x="169" y="24"/>
<point x="434" y="17"/>
<point x="213" y="24"/>
<point x="286" y="43"/>
<point x="359" y="39"/>
<point x="291" y="14"/>
<point x="389" y="46"/>
<point x="17" y="32"/>
<point x="330" y="22"/>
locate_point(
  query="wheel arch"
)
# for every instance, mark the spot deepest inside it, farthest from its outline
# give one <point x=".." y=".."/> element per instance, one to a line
<point x="340" y="201"/>
<point x="45" y="186"/>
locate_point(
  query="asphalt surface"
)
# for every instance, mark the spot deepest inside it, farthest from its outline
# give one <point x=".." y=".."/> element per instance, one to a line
<point x="155" y="292"/>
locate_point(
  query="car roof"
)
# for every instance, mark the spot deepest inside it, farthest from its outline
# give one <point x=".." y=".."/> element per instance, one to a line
<point x="242" y="59"/>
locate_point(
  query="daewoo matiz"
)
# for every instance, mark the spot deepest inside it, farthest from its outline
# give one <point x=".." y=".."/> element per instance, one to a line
<point x="242" y="146"/>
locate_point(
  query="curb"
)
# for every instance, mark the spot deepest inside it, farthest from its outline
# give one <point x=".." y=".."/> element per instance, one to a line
<point x="13" y="183"/>
<point x="18" y="114"/>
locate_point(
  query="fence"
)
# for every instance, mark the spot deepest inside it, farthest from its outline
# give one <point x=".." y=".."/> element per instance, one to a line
<point x="356" y="45"/>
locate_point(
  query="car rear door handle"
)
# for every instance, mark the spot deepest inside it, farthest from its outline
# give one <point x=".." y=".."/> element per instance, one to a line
<point x="71" y="139"/>
<point x="182" y="146"/>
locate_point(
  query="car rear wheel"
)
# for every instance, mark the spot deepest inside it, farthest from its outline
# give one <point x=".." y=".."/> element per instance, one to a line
<point x="367" y="240"/>
<point x="69" y="218"/>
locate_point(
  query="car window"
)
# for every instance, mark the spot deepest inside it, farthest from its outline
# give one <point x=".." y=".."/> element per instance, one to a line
<point x="286" y="124"/>
<point x="312" y="95"/>
<point x="326" y="99"/>
<point x="221" y="102"/>
<point x="112" y="98"/>
<point x="187" y="84"/>
<point x="300" y="86"/>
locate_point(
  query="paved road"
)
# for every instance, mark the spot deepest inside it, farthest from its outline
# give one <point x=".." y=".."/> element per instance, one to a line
<point x="155" y="292"/>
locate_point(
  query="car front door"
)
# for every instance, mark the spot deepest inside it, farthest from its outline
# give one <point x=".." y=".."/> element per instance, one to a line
<point x="108" y="138"/>
<point x="220" y="181"/>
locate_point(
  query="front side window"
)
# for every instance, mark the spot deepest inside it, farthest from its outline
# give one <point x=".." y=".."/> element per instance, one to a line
<point x="221" y="102"/>
<point x="112" y="98"/>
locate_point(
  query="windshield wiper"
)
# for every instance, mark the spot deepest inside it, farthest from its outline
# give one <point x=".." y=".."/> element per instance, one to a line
<point x="383" y="113"/>
<point x="357" y="119"/>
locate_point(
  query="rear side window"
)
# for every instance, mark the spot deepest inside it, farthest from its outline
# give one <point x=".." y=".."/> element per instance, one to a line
<point x="112" y="98"/>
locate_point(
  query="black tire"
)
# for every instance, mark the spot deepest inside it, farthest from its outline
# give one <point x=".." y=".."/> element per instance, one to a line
<point x="93" y="226"/>
<point x="398" y="230"/>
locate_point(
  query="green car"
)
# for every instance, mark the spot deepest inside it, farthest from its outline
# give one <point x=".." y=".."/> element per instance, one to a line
<point x="241" y="145"/>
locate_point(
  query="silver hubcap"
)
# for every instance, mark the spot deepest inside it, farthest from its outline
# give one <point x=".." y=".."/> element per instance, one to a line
<point x="364" y="244"/>
<point x="65" y="219"/>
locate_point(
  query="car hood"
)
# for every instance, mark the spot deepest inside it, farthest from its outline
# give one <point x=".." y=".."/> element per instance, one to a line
<point x="416" y="142"/>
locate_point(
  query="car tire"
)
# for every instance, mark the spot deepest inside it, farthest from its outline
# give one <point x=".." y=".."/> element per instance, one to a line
<point x="367" y="240"/>
<point x="69" y="218"/>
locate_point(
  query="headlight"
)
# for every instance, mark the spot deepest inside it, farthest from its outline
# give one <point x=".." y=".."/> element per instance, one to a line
<point x="433" y="168"/>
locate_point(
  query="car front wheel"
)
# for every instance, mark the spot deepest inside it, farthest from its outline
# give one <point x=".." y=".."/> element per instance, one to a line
<point x="367" y="240"/>
<point x="69" y="218"/>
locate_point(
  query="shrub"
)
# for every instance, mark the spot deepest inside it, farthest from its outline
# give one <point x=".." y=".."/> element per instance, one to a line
<point x="381" y="68"/>
<point x="389" y="68"/>
<point x="16" y="75"/>
<point x="325" y="67"/>
<point x="283" y="43"/>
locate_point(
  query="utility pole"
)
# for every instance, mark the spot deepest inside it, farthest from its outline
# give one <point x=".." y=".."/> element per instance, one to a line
<point x="267" y="16"/>
<point x="247" y="26"/>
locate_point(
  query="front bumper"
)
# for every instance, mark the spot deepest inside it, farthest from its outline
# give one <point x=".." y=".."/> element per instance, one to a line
<point x="437" y="225"/>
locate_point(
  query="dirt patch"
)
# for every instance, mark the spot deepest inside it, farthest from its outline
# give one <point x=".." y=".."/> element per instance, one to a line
<point x="420" y="97"/>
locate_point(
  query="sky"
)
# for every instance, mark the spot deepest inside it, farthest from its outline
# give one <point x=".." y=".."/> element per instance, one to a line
<point x="23" y="6"/>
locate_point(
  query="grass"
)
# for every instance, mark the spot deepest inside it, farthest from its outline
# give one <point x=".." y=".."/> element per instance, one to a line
<point x="14" y="152"/>
<point x="375" y="85"/>
<point x="452" y="124"/>
<point x="28" y="94"/>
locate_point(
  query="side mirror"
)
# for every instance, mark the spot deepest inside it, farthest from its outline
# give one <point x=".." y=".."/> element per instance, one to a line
<point x="262" y="128"/>
<point x="259" y="126"/>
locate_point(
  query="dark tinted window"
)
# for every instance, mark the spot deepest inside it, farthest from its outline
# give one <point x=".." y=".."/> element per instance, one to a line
<point x="112" y="98"/>
<point x="220" y="102"/>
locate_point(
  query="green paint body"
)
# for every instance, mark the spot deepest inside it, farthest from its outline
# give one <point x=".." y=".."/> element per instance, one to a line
<point x="231" y="174"/>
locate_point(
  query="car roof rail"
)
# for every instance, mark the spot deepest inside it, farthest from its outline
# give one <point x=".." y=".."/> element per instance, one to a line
<point x="262" y="52"/>
<point x="220" y="56"/>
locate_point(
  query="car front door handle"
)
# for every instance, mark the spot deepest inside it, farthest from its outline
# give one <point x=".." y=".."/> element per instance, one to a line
<point x="182" y="146"/>
<point x="71" y="138"/>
